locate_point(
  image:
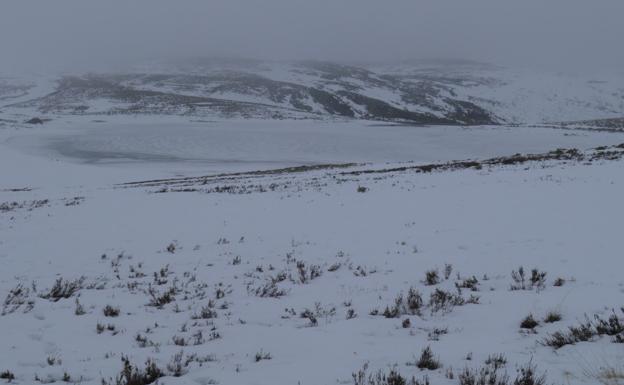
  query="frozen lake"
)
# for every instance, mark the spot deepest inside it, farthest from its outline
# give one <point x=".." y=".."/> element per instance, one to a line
<point x="249" y="145"/>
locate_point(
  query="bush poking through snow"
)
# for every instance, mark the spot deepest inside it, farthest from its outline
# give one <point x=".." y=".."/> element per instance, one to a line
<point x="262" y="356"/>
<point x="307" y="274"/>
<point x="470" y="283"/>
<point x="79" y="310"/>
<point x="175" y="367"/>
<point x="206" y="312"/>
<point x="537" y="280"/>
<point x="444" y="300"/>
<point x="432" y="277"/>
<point x="448" y="270"/>
<point x="496" y="360"/>
<point x="434" y="335"/>
<point x="18" y="296"/>
<point x="159" y="300"/>
<point x="410" y="305"/>
<point x="527" y="376"/>
<point x="268" y="290"/>
<point x="110" y="311"/>
<point x="490" y="375"/>
<point x="486" y="375"/>
<point x="612" y="326"/>
<point x="393" y="377"/>
<point x="319" y="312"/>
<point x="100" y="328"/>
<point x="63" y="289"/>
<point x="529" y="322"/>
<point x="427" y="360"/>
<point x="132" y="375"/>
<point x="7" y="375"/>
<point x="552" y="316"/>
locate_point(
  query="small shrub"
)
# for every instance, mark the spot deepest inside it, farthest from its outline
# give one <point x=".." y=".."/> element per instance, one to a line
<point x="583" y="332"/>
<point x="132" y="375"/>
<point x="63" y="289"/>
<point x="559" y="282"/>
<point x="427" y="360"/>
<point x="411" y="305"/>
<point x="529" y="322"/>
<point x="110" y="311"/>
<point x="307" y="313"/>
<point x="496" y="360"/>
<point x="443" y="300"/>
<point x="362" y="189"/>
<point x="18" y="296"/>
<point x="490" y="375"/>
<point x="393" y="377"/>
<point x="448" y="270"/>
<point x="161" y="299"/>
<point x="334" y="267"/>
<point x="470" y="283"/>
<point x="435" y="334"/>
<point x="611" y="326"/>
<point x="268" y="290"/>
<point x="414" y="301"/>
<point x="538" y="279"/>
<point x="307" y="274"/>
<point x="406" y="323"/>
<point x="179" y="341"/>
<point x="100" y="328"/>
<point x="7" y="375"/>
<point x="79" y="310"/>
<point x="206" y="312"/>
<point x="318" y="312"/>
<point x="175" y="367"/>
<point x="527" y="376"/>
<point x="432" y="277"/>
<point x="519" y="279"/>
<point x="487" y="375"/>
<point x="552" y="316"/>
<point x="142" y="341"/>
<point x="262" y="356"/>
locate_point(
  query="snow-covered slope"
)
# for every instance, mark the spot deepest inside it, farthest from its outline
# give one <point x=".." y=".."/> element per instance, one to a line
<point x="422" y="93"/>
<point x="311" y="274"/>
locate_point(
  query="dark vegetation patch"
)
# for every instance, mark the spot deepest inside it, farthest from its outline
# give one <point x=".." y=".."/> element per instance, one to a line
<point x="251" y="182"/>
<point x="63" y="288"/>
<point x="613" y="326"/>
<point x="6" y="207"/>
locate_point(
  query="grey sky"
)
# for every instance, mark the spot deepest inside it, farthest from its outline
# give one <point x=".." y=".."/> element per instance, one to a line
<point x="88" y="34"/>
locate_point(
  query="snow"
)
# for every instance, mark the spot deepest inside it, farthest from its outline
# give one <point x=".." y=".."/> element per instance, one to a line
<point x="560" y="217"/>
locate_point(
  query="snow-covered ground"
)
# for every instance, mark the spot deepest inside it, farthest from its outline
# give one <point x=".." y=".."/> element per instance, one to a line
<point x="274" y="278"/>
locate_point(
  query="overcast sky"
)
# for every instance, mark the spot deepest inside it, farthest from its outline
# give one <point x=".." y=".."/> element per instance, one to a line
<point x="95" y="35"/>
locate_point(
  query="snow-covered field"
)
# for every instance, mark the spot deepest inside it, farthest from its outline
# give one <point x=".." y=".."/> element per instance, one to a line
<point x="292" y="277"/>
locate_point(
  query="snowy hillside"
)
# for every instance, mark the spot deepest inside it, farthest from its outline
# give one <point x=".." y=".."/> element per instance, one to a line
<point x="463" y="93"/>
<point x="153" y="269"/>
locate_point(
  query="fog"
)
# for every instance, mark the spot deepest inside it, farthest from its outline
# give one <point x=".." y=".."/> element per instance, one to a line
<point x="67" y="35"/>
